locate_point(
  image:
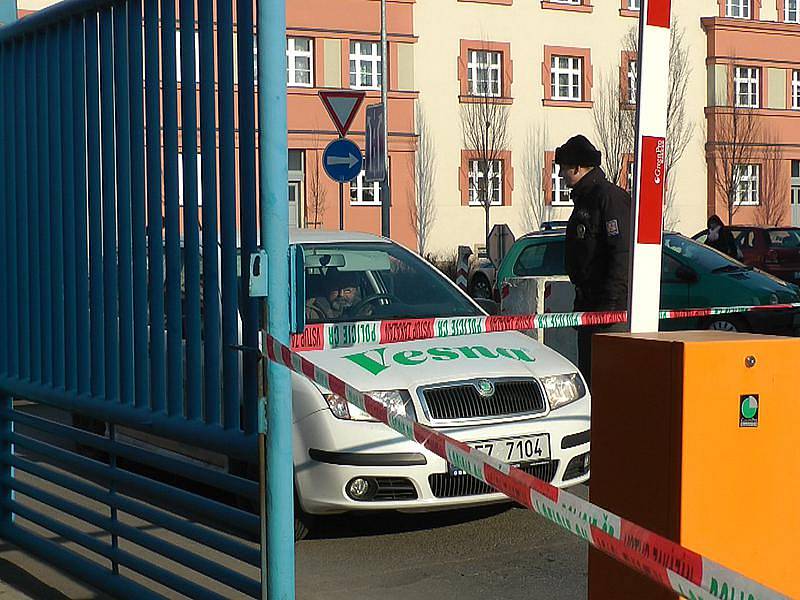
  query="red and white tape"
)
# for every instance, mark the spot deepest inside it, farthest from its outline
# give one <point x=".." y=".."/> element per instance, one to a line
<point x="325" y="336"/>
<point x="681" y="570"/>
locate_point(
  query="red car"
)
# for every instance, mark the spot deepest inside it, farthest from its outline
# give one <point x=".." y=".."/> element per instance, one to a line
<point x="775" y="250"/>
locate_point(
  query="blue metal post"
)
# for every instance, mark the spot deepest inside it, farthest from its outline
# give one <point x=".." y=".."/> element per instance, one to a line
<point x="274" y="201"/>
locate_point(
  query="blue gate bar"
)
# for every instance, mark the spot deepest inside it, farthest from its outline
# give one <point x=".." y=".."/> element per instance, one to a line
<point x="138" y="233"/>
<point x="227" y="186"/>
<point x="124" y="242"/>
<point x="247" y="208"/>
<point x="45" y="195"/>
<point x="95" y="200"/>
<point x="5" y="208"/>
<point x="81" y="208"/>
<point x="21" y="155"/>
<point x="171" y="212"/>
<point x="208" y="144"/>
<point x="68" y="177"/>
<point x="191" y="235"/>
<point x="110" y="268"/>
<point x="34" y="263"/>
<point x="11" y="234"/>
<point x="56" y="201"/>
<point x="155" y="238"/>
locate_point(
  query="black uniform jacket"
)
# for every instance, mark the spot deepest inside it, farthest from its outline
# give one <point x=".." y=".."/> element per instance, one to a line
<point x="598" y="243"/>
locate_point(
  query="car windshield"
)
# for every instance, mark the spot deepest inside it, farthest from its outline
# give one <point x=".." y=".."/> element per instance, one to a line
<point x="784" y="238"/>
<point x="365" y="281"/>
<point x="700" y="255"/>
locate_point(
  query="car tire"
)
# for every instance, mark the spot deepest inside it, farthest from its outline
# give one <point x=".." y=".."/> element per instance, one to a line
<point x="726" y="323"/>
<point x="480" y="287"/>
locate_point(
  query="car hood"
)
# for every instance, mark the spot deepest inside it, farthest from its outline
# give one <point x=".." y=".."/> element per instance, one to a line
<point x="408" y="365"/>
<point x="756" y="282"/>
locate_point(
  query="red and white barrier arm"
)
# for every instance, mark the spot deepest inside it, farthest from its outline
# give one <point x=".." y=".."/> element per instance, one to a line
<point x="665" y="562"/>
<point x="325" y="336"/>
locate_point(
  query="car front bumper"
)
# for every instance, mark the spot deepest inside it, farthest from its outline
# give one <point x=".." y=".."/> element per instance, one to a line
<point x="774" y="321"/>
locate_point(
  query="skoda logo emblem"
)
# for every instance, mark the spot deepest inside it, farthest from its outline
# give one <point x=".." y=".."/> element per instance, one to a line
<point x="485" y="388"/>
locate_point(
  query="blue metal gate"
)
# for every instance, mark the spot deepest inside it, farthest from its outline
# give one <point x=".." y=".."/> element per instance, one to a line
<point x="121" y="294"/>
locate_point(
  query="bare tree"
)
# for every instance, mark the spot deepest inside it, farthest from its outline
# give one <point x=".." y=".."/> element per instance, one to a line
<point x="614" y="125"/>
<point x="422" y="206"/>
<point x="771" y="209"/>
<point x="317" y="192"/>
<point x="735" y="140"/>
<point x="484" y="125"/>
<point x="534" y="177"/>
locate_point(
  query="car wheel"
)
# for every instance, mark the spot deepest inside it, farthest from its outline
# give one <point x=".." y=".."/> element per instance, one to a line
<point x="726" y="324"/>
<point x="480" y="288"/>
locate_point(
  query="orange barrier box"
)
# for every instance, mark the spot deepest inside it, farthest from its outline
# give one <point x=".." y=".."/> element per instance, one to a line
<point x="695" y="437"/>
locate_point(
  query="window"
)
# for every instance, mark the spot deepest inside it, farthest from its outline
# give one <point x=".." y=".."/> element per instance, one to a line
<point x="198" y="182"/>
<point x="573" y="2"/>
<point x="365" y="65"/>
<point x="484" y="73"/>
<point x="791" y="13"/>
<point x="300" y="62"/>
<point x="485" y="180"/>
<point x="737" y="9"/>
<point x="540" y="260"/>
<point x="796" y="89"/>
<point x="633" y="5"/>
<point x="362" y="192"/>
<point x="566" y="78"/>
<point x="196" y="56"/>
<point x="747" y="188"/>
<point x="631" y="81"/>
<point x="559" y="192"/>
<point x="746" y="88"/>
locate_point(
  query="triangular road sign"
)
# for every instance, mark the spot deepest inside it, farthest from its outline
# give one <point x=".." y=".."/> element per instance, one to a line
<point x="342" y="107"/>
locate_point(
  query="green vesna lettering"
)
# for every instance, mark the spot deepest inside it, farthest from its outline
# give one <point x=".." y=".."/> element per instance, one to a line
<point x="409" y="358"/>
<point x="515" y="354"/>
<point x="443" y="354"/>
<point x="368" y="363"/>
<point x="469" y="352"/>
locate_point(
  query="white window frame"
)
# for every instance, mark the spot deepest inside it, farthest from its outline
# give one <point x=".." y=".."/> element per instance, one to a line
<point x="634" y="4"/>
<point x="632" y="75"/>
<point x="359" y="58"/>
<point x="489" y="63"/>
<point x="196" y="56"/>
<point x="199" y="179"/>
<point x="738" y="9"/>
<point x="358" y="188"/>
<point x="495" y="175"/>
<point x="570" y="2"/>
<point x="292" y="54"/>
<point x="748" y="189"/>
<point x="558" y="189"/>
<point x="791" y="11"/>
<point x="796" y="89"/>
<point x="748" y="78"/>
<point x="573" y="70"/>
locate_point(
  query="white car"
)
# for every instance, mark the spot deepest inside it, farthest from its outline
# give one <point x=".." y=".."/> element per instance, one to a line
<point x="501" y="392"/>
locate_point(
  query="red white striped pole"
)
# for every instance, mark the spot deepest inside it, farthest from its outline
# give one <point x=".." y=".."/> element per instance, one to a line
<point x="651" y="130"/>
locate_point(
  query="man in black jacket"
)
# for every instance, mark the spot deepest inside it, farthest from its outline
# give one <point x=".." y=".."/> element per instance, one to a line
<point x="598" y="240"/>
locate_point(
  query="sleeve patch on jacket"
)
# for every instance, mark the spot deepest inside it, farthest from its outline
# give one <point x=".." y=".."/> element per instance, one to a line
<point x="612" y="227"/>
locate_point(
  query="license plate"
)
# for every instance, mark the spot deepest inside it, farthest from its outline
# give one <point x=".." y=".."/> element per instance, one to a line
<point x="516" y="451"/>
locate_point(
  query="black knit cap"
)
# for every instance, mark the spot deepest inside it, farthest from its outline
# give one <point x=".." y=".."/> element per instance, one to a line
<point x="578" y="151"/>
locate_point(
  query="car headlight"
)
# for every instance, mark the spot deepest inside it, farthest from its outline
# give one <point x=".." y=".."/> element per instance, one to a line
<point x="397" y="401"/>
<point x="563" y="389"/>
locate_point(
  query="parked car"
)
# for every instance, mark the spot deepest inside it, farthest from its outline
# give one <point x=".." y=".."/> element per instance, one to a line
<point x="692" y="276"/>
<point x="775" y="250"/>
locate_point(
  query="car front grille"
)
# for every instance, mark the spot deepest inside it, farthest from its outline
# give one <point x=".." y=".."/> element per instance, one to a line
<point x="463" y="401"/>
<point x="394" y="488"/>
<point x="444" y="485"/>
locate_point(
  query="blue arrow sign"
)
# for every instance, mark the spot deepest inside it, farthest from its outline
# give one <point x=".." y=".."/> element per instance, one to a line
<point x="342" y="160"/>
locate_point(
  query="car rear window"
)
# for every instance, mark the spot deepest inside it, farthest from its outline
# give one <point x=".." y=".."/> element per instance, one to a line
<point x="784" y="238"/>
<point x="541" y="259"/>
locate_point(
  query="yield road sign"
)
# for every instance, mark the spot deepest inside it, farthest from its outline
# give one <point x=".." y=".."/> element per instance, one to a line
<point x="376" y="148"/>
<point x="342" y="107"/>
<point x="342" y="160"/>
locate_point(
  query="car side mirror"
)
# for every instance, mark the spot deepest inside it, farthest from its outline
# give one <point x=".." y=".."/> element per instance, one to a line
<point x="686" y="274"/>
<point x="490" y="306"/>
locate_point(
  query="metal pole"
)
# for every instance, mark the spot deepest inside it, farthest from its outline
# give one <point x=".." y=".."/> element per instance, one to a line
<point x="341" y="207"/>
<point x="274" y="204"/>
<point x="386" y="194"/>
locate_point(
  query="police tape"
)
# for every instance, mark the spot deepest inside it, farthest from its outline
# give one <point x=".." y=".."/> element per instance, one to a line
<point x="681" y="570"/>
<point x="326" y="336"/>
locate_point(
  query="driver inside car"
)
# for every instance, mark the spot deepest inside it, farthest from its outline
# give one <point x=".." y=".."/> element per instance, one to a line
<point x="342" y="295"/>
